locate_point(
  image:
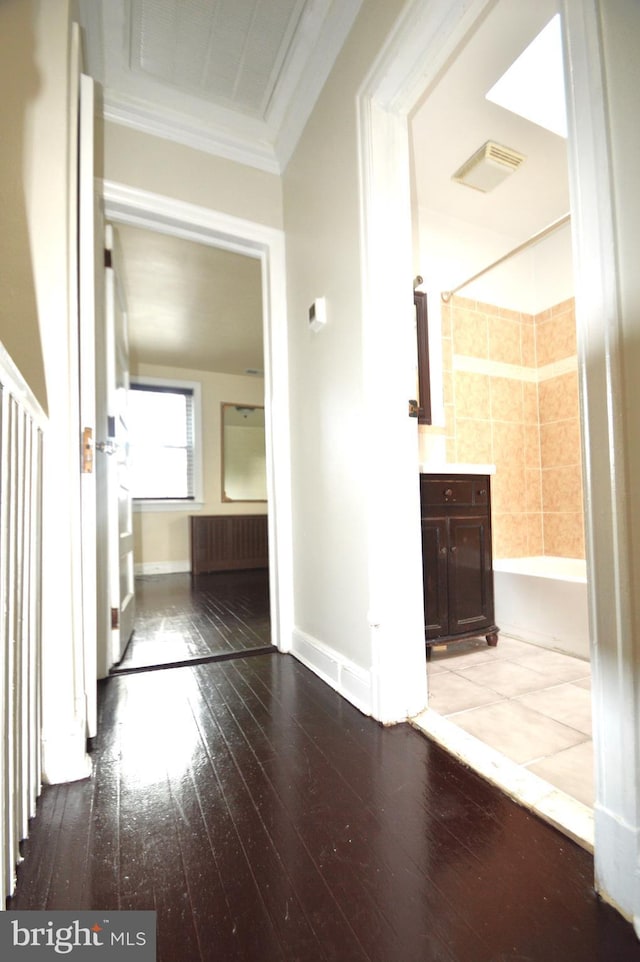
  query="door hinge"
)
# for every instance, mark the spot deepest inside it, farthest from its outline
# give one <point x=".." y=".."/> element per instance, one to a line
<point x="115" y="618"/>
<point x="414" y="409"/>
<point x="107" y="257"/>
<point x="87" y="451"/>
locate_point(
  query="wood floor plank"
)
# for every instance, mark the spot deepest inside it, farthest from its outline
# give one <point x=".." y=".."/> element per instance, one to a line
<point x="179" y="619"/>
<point x="266" y="820"/>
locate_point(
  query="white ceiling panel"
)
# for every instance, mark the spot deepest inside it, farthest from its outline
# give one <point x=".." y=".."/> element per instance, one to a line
<point x="237" y="78"/>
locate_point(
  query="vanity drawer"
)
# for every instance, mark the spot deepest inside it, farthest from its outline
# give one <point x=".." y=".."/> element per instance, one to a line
<point x="442" y="490"/>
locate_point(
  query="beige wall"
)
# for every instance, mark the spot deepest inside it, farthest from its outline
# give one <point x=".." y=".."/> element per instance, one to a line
<point x="329" y="464"/>
<point x="523" y="418"/>
<point x="162" y="167"/>
<point x="162" y="537"/>
<point x="27" y="212"/>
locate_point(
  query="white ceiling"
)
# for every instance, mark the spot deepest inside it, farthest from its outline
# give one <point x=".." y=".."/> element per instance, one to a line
<point x="237" y="78"/>
<point x="455" y="119"/>
<point x="196" y="65"/>
<point x="190" y="305"/>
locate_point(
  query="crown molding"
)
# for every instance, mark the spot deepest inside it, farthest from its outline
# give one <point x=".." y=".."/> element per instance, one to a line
<point x="208" y="136"/>
<point x="318" y="43"/>
<point x="265" y="143"/>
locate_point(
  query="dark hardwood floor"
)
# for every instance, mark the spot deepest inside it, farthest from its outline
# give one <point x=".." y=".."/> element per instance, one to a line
<point x="216" y="615"/>
<point x="265" y="819"/>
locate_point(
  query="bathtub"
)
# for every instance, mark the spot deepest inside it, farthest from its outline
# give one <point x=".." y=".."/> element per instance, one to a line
<point x="543" y="600"/>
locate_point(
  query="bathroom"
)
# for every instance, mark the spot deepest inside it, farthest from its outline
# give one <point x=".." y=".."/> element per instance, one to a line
<point x="497" y="267"/>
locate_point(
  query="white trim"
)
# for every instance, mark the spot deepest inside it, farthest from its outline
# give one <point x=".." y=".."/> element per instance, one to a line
<point x="156" y="212"/>
<point x="178" y="504"/>
<point x="144" y="507"/>
<point x="344" y="676"/>
<point x="13" y="382"/>
<point x="154" y="119"/>
<point x="64" y="756"/>
<point x="162" y="567"/>
<point x="307" y="71"/>
<point x="606" y="457"/>
<point x="425" y="36"/>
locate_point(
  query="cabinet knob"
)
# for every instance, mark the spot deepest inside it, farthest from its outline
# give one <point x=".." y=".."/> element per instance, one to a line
<point x="448" y="492"/>
<point x="454" y="548"/>
<point x="443" y="550"/>
<point x="482" y="491"/>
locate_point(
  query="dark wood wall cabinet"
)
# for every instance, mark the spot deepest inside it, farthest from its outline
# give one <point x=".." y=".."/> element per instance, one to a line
<point x="228" y="542"/>
<point x="456" y="555"/>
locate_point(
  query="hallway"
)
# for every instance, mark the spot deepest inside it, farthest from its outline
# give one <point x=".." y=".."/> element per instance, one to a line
<point x="264" y="818"/>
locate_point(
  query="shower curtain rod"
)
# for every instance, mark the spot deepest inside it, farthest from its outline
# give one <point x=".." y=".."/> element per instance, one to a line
<point x="447" y="295"/>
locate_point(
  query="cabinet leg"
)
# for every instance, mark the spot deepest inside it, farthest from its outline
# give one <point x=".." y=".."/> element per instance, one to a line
<point x="492" y="639"/>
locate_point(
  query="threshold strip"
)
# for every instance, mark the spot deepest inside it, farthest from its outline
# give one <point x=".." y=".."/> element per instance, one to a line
<point x="190" y="662"/>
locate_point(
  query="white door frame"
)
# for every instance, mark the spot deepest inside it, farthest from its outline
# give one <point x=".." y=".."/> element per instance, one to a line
<point x="141" y="208"/>
<point x="426" y="36"/>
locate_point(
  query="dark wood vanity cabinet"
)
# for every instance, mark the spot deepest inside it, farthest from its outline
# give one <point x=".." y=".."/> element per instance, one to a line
<point x="456" y="553"/>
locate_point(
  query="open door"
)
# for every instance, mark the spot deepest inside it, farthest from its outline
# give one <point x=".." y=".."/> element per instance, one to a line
<point x="115" y="449"/>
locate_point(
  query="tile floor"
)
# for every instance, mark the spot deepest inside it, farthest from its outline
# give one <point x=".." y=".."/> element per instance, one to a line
<point x="531" y="704"/>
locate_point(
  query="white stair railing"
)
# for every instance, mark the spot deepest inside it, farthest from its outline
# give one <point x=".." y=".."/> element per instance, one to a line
<point x="22" y="425"/>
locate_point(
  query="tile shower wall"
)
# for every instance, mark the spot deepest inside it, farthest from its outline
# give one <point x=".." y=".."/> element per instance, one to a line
<point x="511" y="399"/>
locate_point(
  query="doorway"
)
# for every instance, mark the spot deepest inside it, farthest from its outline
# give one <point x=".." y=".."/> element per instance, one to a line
<point x="425" y="43"/>
<point x="197" y="452"/>
<point x="138" y="209"/>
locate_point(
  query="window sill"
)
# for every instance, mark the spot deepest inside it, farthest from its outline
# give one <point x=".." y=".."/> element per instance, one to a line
<point x="140" y="507"/>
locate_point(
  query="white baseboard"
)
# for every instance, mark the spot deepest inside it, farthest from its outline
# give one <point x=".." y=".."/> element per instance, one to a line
<point x="162" y="567"/>
<point x="617" y="876"/>
<point x="344" y="676"/>
<point x="64" y="755"/>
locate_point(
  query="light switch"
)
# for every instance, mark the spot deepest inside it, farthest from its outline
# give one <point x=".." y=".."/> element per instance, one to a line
<point x="318" y="314"/>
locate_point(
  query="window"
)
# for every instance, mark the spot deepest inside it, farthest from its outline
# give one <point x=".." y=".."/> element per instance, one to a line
<point x="164" y="448"/>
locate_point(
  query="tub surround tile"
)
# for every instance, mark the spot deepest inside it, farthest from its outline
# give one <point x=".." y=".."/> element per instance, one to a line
<point x="513" y="401"/>
<point x="557" y="396"/>
<point x="470" y="332"/>
<point x="472" y="395"/>
<point x="564" y="535"/>
<point x="556" y="339"/>
<point x="530" y="394"/>
<point x="507" y="403"/>
<point x="562" y="489"/>
<point x="535" y="538"/>
<point x="570" y="770"/>
<point x="533" y="487"/>
<point x="532" y="445"/>
<point x="473" y="441"/>
<point x="504" y="340"/>
<point x="560" y="442"/>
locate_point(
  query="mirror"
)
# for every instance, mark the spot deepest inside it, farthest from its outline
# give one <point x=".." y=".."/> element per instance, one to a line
<point x="244" y="472"/>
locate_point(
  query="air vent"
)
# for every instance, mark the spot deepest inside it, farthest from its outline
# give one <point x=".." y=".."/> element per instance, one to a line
<point x="488" y="167"/>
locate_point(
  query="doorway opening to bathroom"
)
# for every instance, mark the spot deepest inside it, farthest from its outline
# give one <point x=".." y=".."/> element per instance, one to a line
<point x="508" y="404"/>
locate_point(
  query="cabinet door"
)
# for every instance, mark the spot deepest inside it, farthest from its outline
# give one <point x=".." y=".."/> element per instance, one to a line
<point x="434" y="563"/>
<point x="470" y="591"/>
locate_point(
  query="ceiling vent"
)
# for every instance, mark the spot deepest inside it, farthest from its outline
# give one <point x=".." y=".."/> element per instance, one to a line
<point x="488" y="167"/>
